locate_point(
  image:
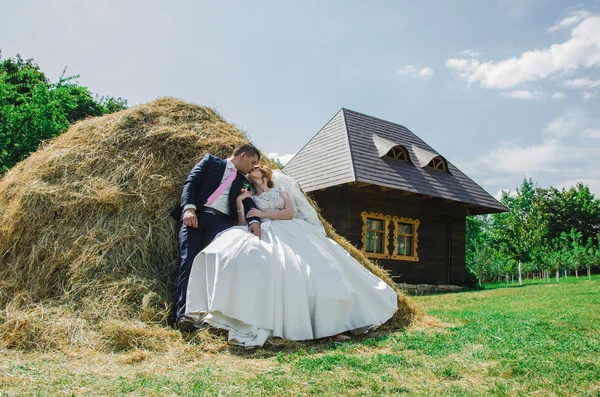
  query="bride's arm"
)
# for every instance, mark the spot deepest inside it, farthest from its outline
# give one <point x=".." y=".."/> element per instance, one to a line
<point x="286" y="213"/>
<point x="239" y="205"/>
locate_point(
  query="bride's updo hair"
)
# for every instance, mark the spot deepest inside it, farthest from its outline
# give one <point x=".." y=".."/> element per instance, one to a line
<point x="267" y="174"/>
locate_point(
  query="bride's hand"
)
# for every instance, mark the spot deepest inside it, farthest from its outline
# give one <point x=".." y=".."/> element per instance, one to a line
<point x="244" y="195"/>
<point x="255" y="213"/>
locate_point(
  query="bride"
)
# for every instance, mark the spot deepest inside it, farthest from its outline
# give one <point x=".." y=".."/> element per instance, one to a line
<point x="292" y="283"/>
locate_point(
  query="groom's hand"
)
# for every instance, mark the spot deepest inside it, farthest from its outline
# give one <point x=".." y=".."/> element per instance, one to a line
<point x="189" y="218"/>
<point x="255" y="229"/>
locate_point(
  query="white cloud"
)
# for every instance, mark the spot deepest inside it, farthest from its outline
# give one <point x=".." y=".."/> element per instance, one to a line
<point x="550" y="160"/>
<point x="573" y="19"/>
<point x="581" y="50"/>
<point x="568" y="123"/>
<point x="589" y="95"/>
<point x="592" y="183"/>
<point x="558" y="96"/>
<point x="585" y="82"/>
<point x="409" y="70"/>
<point x="591" y="133"/>
<point x="553" y="163"/>
<point x="568" y="155"/>
<point x="471" y="53"/>
<point x="464" y="67"/>
<point x="426" y="73"/>
<point x="283" y="158"/>
<point x="524" y="160"/>
<point x="523" y="94"/>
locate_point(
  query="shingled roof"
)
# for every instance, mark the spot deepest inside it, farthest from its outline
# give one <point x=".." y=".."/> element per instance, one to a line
<point x="351" y="147"/>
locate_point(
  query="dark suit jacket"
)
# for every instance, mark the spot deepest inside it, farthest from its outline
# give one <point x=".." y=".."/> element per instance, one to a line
<point x="204" y="179"/>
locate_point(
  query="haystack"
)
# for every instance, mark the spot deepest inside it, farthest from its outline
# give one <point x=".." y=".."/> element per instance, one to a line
<point x="87" y="245"/>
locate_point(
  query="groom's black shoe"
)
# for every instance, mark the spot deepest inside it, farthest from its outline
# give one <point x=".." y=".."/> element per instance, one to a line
<point x="185" y="324"/>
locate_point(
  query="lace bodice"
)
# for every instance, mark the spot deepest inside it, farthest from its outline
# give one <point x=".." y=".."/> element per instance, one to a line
<point x="269" y="201"/>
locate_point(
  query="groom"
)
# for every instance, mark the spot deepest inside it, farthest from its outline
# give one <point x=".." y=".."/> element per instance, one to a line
<point x="207" y="208"/>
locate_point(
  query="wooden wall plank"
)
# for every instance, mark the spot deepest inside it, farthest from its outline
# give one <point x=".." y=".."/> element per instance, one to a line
<point x="442" y="229"/>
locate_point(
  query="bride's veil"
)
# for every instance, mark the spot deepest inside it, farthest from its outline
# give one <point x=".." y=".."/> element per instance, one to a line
<point x="302" y="208"/>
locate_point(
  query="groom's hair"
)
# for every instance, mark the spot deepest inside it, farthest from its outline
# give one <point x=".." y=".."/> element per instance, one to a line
<point x="247" y="148"/>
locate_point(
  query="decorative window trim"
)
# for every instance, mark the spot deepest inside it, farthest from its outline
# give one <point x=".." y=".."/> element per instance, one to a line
<point x="438" y="163"/>
<point x="386" y="234"/>
<point x="415" y="222"/>
<point x="398" y="152"/>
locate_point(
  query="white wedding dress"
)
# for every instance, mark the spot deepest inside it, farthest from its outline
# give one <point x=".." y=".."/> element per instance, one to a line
<point x="292" y="283"/>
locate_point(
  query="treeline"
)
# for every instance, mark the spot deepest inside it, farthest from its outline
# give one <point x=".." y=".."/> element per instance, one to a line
<point x="34" y="109"/>
<point x="547" y="233"/>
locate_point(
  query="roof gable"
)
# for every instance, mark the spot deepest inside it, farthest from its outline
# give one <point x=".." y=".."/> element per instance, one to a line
<point x="326" y="159"/>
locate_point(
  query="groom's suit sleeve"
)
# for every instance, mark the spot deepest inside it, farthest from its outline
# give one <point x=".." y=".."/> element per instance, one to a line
<point x="248" y="205"/>
<point x="194" y="180"/>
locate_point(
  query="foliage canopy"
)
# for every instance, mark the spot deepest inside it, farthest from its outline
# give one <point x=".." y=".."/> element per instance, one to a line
<point x="33" y="109"/>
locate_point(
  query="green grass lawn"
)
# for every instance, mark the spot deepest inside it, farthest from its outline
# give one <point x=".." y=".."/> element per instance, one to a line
<point x="541" y="339"/>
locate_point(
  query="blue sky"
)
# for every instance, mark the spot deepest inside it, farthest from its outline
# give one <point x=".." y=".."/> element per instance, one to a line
<point x="503" y="89"/>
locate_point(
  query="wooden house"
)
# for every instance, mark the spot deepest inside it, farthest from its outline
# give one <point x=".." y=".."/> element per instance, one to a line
<point x="392" y="196"/>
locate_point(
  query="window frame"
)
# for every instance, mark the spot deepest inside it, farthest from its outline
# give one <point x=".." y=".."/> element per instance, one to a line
<point x="415" y="222"/>
<point x="386" y="234"/>
<point x="436" y="161"/>
<point x="402" y="150"/>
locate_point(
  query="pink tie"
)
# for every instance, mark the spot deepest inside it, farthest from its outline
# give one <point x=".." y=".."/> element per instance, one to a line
<point x="222" y="187"/>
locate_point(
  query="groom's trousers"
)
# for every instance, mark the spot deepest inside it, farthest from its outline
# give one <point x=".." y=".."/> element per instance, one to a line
<point x="191" y="242"/>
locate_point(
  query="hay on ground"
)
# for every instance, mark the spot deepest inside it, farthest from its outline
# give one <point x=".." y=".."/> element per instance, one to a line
<point x="85" y="230"/>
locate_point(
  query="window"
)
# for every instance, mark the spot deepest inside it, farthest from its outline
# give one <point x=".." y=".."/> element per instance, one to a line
<point x="405" y="239"/>
<point x="438" y="163"/>
<point x="375" y="236"/>
<point x="398" y="152"/>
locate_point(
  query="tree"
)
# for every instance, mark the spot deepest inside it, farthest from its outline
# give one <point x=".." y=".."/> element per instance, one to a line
<point x="548" y="256"/>
<point x="565" y="253"/>
<point x="590" y="257"/>
<point x="544" y="231"/>
<point x="579" y="251"/>
<point x="32" y="109"/>
<point x="517" y="232"/>
<point x="576" y="208"/>
<point x="477" y="252"/>
<point x="483" y="263"/>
